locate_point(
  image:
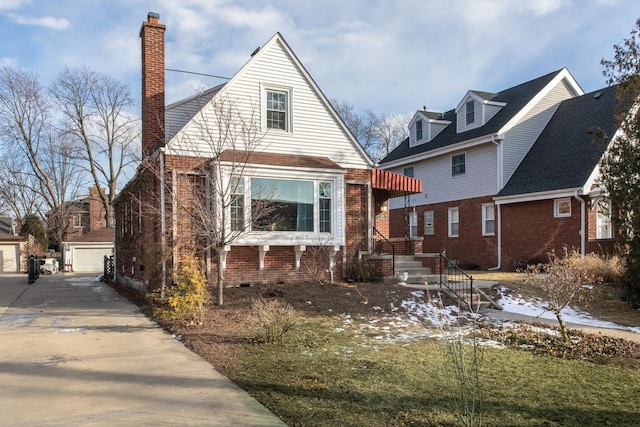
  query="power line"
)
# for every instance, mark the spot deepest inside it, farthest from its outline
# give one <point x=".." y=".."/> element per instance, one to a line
<point x="199" y="74"/>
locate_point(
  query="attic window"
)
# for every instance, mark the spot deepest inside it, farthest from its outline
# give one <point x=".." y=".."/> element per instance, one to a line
<point x="470" y="112"/>
<point x="277" y="110"/>
<point x="418" y="130"/>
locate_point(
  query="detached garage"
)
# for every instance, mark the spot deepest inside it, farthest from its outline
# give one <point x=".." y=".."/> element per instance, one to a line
<point x="86" y="253"/>
<point x="10" y="253"/>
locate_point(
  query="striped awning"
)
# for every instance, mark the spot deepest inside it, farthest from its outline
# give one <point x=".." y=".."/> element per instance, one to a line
<point x="396" y="184"/>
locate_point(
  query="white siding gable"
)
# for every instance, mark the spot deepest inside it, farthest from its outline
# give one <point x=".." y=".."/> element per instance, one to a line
<point x="314" y="127"/>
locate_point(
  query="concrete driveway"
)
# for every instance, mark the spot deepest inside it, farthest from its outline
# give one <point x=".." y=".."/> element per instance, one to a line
<point x="75" y="353"/>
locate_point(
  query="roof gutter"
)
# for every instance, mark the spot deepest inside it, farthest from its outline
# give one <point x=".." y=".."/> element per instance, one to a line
<point x="493" y="137"/>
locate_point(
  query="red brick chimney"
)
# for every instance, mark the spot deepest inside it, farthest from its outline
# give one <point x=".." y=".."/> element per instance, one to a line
<point x="152" y="35"/>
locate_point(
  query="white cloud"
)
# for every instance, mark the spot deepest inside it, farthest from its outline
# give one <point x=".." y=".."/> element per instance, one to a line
<point x="45" y="21"/>
<point x="12" y="4"/>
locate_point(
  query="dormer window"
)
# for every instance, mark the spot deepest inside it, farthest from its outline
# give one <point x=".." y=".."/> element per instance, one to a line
<point x="470" y="112"/>
<point x="418" y="130"/>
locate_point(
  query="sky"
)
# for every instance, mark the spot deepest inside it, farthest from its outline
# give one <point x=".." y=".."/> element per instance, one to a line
<point x="387" y="56"/>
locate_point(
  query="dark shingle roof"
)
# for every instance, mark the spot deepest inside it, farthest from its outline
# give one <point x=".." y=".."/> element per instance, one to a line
<point x="566" y="152"/>
<point x="515" y="98"/>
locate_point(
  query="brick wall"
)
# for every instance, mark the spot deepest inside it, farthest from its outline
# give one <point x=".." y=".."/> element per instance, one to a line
<point x="470" y="248"/>
<point x="152" y="38"/>
<point x="530" y="232"/>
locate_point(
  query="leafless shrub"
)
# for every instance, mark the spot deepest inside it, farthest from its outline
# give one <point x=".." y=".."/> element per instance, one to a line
<point x="272" y="319"/>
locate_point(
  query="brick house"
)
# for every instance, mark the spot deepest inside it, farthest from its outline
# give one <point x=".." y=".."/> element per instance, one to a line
<point x="88" y="239"/>
<point x="509" y="176"/>
<point x="271" y="137"/>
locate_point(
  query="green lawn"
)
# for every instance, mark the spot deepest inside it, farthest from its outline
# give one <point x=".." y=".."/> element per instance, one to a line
<point x="325" y="376"/>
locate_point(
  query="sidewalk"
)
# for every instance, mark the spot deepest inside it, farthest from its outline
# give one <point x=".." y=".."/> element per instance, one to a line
<point x="75" y="353"/>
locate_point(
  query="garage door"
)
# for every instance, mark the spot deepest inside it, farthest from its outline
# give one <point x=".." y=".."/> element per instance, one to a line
<point x="89" y="259"/>
<point x="8" y="258"/>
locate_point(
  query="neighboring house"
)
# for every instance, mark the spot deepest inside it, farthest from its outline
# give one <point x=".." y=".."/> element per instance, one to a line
<point x="509" y="176"/>
<point x="323" y="186"/>
<point x="88" y="240"/>
<point x="7" y="225"/>
<point x="12" y="256"/>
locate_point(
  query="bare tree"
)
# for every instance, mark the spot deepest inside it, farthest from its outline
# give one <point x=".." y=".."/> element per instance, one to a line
<point x="563" y="281"/>
<point x="362" y="125"/>
<point x="378" y="135"/>
<point x="212" y="195"/>
<point x="390" y="131"/>
<point x="29" y="137"/>
<point x="17" y="197"/>
<point x="96" y="111"/>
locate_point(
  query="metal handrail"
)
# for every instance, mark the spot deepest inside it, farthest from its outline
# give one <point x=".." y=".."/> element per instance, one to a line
<point x="393" y="248"/>
<point x="457" y="281"/>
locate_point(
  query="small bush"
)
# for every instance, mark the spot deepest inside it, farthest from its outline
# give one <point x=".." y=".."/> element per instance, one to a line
<point x="608" y="269"/>
<point x="184" y="301"/>
<point x="363" y="271"/>
<point x="272" y="319"/>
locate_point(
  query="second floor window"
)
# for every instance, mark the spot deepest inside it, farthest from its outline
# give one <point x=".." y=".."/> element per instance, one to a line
<point x="276" y="110"/>
<point x="458" y="164"/>
<point x="408" y="171"/>
<point x="77" y="220"/>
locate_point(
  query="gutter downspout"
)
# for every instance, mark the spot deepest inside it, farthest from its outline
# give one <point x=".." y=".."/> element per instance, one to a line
<point x="583" y="244"/>
<point x="163" y="225"/>
<point x="496" y="141"/>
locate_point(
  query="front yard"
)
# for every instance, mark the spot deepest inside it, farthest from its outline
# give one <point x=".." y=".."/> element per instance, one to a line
<point x="369" y="355"/>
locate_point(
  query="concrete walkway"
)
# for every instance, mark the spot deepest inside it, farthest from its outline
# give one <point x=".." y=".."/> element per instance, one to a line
<point x="75" y="353"/>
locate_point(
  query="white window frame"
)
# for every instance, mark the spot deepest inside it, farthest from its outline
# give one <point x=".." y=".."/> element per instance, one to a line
<point x="288" y="92"/>
<point x="558" y="211"/>
<point x="413" y="224"/>
<point x="77" y="220"/>
<point x="604" y="229"/>
<point x="419" y="130"/>
<point x="453" y="215"/>
<point x="336" y="237"/>
<point x="429" y="223"/>
<point x="488" y="215"/>
<point x="469" y="112"/>
<point x="409" y="171"/>
<point x="464" y="164"/>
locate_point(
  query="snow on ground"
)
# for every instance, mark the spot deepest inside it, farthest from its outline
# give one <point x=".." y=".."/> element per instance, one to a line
<point x="429" y="319"/>
<point x="511" y="303"/>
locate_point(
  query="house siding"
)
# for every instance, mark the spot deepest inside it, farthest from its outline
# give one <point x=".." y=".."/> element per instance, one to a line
<point x="314" y="131"/>
<point x="439" y="186"/>
<point x="490" y="111"/>
<point x="522" y="136"/>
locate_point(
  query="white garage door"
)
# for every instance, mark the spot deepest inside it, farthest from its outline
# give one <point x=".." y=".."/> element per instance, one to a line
<point x="8" y="258"/>
<point x="89" y="259"/>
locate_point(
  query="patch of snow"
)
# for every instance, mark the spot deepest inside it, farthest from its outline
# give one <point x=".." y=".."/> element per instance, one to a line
<point x="511" y="303"/>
